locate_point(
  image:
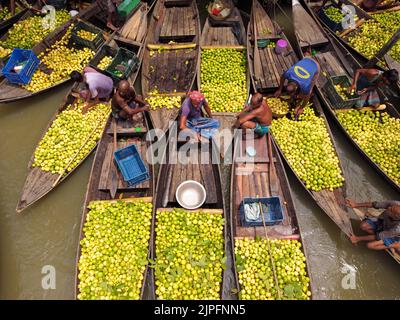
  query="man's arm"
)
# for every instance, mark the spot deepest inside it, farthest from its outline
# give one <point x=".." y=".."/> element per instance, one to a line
<point x="246" y="117"/>
<point x="355" y="239"/>
<point x="182" y="122"/>
<point x="208" y="110"/>
<point x="357" y="75"/>
<point x="143" y="105"/>
<point x="390" y="233"/>
<point x="385" y="204"/>
<point x="353" y="204"/>
<point x="281" y="83"/>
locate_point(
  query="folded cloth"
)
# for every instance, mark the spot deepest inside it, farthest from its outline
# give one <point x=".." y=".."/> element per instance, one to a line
<point x="207" y="127"/>
<point x="370" y="98"/>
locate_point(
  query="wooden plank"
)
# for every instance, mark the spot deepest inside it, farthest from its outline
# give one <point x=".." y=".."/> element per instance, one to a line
<point x="128" y="200"/>
<point x="179" y="26"/>
<point x="191" y="20"/>
<point x="175" y="181"/>
<point x="166" y="24"/>
<point x="275" y="72"/>
<point x="196" y="173"/>
<point x="211" y="211"/>
<point x="105" y="169"/>
<point x="215" y="46"/>
<point x="267" y="68"/>
<point x="207" y="176"/>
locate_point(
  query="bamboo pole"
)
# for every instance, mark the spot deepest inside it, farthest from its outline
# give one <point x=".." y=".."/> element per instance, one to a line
<point x="171" y="46"/>
<point x="381" y="53"/>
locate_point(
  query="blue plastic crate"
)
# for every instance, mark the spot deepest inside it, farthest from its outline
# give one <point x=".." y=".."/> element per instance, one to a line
<point x="25" y="75"/>
<point x="131" y="165"/>
<point x="274" y="214"/>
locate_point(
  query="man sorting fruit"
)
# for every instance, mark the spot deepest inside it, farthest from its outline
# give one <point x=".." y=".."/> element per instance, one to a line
<point x="301" y="79"/>
<point x="96" y="86"/>
<point x="383" y="231"/>
<point x="191" y="116"/>
<point x="257" y="116"/>
<point x="366" y="83"/>
<point x="126" y="104"/>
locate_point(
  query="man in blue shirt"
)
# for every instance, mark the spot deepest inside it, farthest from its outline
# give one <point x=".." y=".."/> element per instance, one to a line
<point x="300" y="80"/>
<point x="191" y="116"/>
<point x="383" y="231"/>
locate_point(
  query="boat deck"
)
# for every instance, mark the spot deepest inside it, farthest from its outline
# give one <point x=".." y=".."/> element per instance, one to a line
<point x="221" y="34"/>
<point x="310" y="33"/>
<point x="194" y="170"/>
<point x="267" y="67"/>
<point x="178" y="25"/>
<point x="251" y="179"/>
<point x="172" y="70"/>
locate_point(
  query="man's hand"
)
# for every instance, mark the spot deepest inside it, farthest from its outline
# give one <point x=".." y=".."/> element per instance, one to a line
<point x="277" y="93"/>
<point x="354" y="239"/>
<point x="112" y="27"/>
<point x="298" y="111"/>
<point x="351" y="89"/>
<point x="351" y="203"/>
<point x="363" y="91"/>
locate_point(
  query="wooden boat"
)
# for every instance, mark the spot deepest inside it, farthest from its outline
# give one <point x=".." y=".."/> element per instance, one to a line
<point x="335" y="60"/>
<point x="39" y="183"/>
<point x="171" y="174"/>
<point x="265" y="66"/>
<point x="128" y="133"/>
<point x="331" y="202"/>
<point x="224" y="34"/>
<point x="251" y="178"/>
<point x="6" y="24"/>
<point x="11" y="92"/>
<point x="344" y="35"/>
<point x="172" y="54"/>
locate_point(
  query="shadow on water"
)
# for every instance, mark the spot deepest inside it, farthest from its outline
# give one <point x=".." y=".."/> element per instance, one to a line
<point x="47" y="233"/>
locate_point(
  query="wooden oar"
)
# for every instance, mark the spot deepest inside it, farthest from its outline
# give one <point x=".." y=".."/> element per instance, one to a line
<point x="273" y="179"/>
<point x="257" y="65"/>
<point x="270" y="252"/>
<point x="114" y="173"/>
<point x="77" y="153"/>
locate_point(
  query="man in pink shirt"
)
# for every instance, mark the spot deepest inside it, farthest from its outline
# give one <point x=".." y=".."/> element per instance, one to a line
<point x="96" y="86"/>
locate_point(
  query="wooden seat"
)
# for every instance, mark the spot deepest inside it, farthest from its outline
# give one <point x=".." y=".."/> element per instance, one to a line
<point x="127" y="127"/>
<point x="178" y="24"/>
<point x="172" y="70"/>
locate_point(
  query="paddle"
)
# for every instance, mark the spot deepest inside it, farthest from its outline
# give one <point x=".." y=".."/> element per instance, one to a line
<point x="273" y="179"/>
<point x="257" y="65"/>
<point x="270" y="252"/>
<point x="114" y="174"/>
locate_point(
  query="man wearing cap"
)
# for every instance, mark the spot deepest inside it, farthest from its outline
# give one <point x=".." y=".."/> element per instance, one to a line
<point x="300" y="80"/>
<point x="94" y="87"/>
<point x="191" y="115"/>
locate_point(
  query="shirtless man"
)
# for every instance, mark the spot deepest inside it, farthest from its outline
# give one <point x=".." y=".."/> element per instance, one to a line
<point x="126" y="104"/>
<point x="257" y="116"/>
